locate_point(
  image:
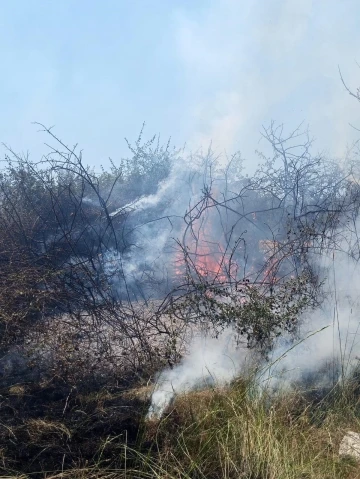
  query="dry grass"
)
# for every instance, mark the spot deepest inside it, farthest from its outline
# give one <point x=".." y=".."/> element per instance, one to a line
<point x="231" y="434"/>
<point x="221" y="433"/>
<point x="51" y="428"/>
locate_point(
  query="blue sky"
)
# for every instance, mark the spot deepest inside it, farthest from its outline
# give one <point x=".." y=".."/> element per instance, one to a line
<point x="197" y="71"/>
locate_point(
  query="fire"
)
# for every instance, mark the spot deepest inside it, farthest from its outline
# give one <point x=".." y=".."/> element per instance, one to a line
<point x="205" y="254"/>
<point x="208" y="259"/>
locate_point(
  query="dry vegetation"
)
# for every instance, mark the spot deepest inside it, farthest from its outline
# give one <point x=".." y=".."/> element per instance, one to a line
<point x="82" y="338"/>
<point x="220" y="433"/>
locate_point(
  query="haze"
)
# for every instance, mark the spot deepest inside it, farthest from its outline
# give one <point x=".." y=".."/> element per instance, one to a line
<point x="196" y="71"/>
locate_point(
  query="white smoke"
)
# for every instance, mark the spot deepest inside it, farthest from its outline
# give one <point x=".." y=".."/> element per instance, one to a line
<point x="327" y="337"/>
<point x="210" y="362"/>
<point x="328" y="343"/>
<point x="327" y="347"/>
<point x="157" y="221"/>
<point x="165" y="190"/>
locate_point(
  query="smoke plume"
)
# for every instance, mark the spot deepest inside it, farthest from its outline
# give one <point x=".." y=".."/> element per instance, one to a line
<point x="326" y="348"/>
<point x="210" y="362"/>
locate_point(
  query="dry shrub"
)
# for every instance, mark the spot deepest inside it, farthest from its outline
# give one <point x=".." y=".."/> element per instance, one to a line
<point x="87" y="351"/>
